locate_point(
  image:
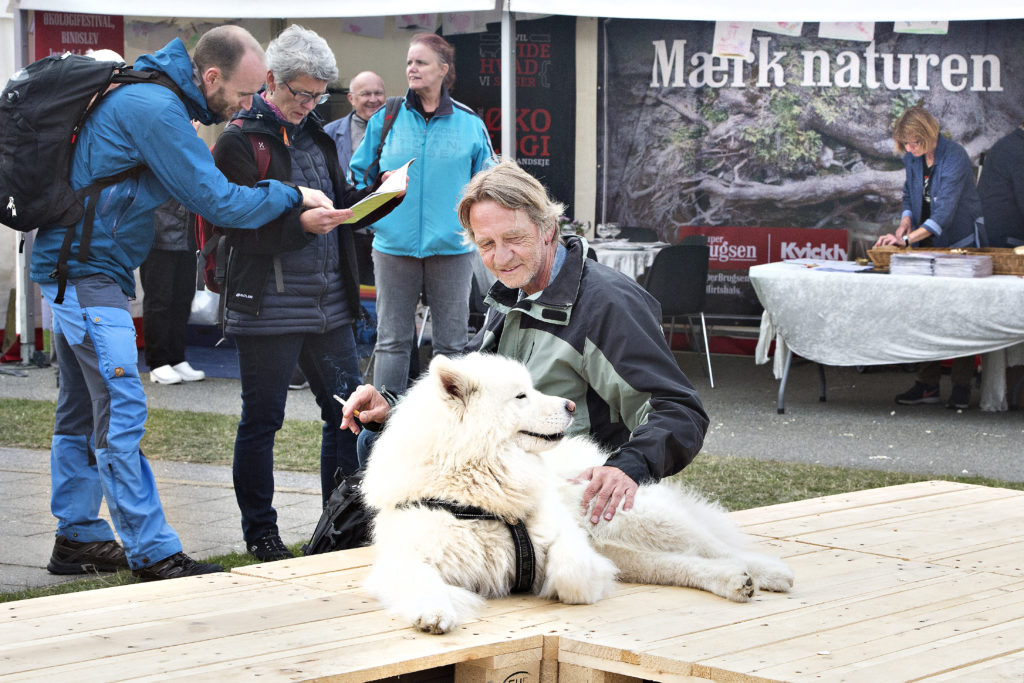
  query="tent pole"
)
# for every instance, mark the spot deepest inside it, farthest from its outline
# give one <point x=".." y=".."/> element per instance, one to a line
<point x="25" y="307"/>
<point x="508" y="82"/>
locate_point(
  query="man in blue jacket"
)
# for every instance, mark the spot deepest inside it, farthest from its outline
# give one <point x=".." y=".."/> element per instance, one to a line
<point x="101" y="408"/>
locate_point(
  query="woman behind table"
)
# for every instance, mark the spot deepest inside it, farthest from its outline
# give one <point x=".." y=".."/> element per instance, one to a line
<point x="291" y="290"/>
<point x="419" y="246"/>
<point x="940" y="207"/>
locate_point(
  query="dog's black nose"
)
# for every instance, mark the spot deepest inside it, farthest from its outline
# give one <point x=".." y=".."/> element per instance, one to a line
<point x="570" y="407"/>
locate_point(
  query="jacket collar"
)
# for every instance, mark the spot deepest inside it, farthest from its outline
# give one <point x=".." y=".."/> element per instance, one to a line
<point x="261" y="117"/>
<point x="554" y="305"/>
<point x="173" y="60"/>
<point x="444" y="107"/>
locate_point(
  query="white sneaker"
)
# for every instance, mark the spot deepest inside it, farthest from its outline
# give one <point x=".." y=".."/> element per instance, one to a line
<point x="188" y="373"/>
<point x="164" y="374"/>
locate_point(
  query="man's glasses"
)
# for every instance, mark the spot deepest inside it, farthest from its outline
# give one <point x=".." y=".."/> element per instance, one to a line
<point x="370" y="93"/>
<point x="303" y="97"/>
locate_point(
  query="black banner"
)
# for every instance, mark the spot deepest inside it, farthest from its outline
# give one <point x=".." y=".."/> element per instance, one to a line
<point x="545" y="95"/>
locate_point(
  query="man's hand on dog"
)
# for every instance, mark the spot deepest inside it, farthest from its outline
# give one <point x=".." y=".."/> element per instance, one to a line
<point x="367" y="404"/>
<point x="608" y="487"/>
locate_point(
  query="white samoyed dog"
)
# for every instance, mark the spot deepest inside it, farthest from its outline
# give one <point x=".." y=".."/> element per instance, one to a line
<point x="474" y="432"/>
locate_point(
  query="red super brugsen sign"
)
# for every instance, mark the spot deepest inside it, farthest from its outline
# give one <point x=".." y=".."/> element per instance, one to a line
<point x="734" y="248"/>
<point x="60" y="32"/>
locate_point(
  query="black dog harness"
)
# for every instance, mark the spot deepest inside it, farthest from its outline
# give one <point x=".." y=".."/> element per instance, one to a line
<point x="526" y="561"/>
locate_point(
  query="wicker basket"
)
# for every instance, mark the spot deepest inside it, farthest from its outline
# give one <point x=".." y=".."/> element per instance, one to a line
<point x="1004" y="261"/>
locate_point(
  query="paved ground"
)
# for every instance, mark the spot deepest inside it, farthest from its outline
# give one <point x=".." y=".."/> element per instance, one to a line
<point x="859" y="426"/>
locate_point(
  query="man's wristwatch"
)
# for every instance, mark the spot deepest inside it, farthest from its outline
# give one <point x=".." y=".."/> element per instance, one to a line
<point x="906" y="240"/>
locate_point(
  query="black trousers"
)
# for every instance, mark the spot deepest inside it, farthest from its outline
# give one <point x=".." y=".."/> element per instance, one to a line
<point x="169" y="281"/>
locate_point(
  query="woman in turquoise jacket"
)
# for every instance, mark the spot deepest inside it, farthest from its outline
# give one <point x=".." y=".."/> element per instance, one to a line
<point x="419" y="247"/>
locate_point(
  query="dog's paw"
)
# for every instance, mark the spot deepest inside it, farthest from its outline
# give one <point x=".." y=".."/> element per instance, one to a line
<point x="739" y="587"/>
<point x="436" y="621"/>
<point x="582" y="583"/>
<point x="442" y="611"/>
<point x="776" y="581"/>
<point x="771" y="574"/>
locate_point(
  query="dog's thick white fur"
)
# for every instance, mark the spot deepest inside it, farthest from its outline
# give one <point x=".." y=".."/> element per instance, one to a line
<point x="475" y="432"/>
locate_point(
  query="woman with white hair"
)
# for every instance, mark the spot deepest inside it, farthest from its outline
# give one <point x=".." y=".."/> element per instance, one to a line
<point x="291" y="290"/>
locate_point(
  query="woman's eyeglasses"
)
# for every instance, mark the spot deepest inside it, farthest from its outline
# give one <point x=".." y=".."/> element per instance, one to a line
<point x="303" y="97"/>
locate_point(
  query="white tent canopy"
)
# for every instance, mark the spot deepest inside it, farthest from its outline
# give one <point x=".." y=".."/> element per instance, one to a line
<point x="696" y="10"/>
<point x="791" y="10"/>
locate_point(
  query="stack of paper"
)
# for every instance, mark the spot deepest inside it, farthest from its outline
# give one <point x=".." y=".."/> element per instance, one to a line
<point x="912" y="263"/>
<point x="963" y="265"/>
<point x="388" y="190"/>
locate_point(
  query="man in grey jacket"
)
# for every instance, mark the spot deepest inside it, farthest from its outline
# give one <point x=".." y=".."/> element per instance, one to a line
<point x="585" y="331"/>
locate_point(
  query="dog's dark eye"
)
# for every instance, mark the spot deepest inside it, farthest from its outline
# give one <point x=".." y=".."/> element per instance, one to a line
<point x="521" y="396"/>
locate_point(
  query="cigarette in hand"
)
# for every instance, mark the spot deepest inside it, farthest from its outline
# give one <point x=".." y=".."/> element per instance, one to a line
<point x="340" y="400"/>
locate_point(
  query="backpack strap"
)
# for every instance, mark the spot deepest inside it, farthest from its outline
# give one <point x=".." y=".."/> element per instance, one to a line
<point x="262" y="155"/>
<point x="391" y="109"/>
<point x="90" y="194"/>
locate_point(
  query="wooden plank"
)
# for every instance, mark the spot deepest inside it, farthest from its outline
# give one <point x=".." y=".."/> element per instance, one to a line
<point x="1007" y="560"/>
<point x="523" y="672"/>
<point x="60" y="606"/>
<point x="931" y="533"/>
<point x="883" y="637"/>
<point x="855" y="499"/>
<point x="354" y="658"/>
<point x="848" y="632"/>
<point x="286" y="570"/>
<point x="123" y="615"/>
<point x="184" y="624"/>
<point x="799" y="527"/>
<point x="1005" y="668"/>
<point x="938" y="656"/>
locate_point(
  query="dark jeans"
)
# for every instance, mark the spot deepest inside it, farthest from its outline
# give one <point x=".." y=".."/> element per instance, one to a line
<point x="169" y="281"/>
<point x="330" y="364"/>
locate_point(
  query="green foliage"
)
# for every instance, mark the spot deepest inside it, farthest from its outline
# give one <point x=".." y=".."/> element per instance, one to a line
<point x="171" y="435"/>
<point x="901" y="103"/>
<point x="779" y="143"/>
<point x="687" y="140"/>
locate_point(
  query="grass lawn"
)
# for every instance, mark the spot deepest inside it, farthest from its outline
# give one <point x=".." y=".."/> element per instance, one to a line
<point x="739" y="483"/>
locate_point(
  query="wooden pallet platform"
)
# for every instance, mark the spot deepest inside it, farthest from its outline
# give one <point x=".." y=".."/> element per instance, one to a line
<point x="915" y="582"/>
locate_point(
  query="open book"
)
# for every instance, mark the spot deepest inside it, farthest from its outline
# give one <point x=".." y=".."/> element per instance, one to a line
<point x="388" y="190"/>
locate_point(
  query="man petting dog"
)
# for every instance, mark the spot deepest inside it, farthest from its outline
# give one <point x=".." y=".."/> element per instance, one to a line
<point x="585" y="331"/>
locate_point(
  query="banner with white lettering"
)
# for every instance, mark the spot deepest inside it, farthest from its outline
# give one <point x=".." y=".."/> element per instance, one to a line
<point x="60" y="32"/>
<point x="797" y="132"/>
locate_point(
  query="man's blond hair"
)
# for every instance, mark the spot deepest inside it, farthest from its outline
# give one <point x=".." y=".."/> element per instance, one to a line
<point x="510" y="187"/>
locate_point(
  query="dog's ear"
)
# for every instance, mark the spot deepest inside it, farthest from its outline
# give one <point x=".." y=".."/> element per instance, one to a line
<point x="453" y="384"/>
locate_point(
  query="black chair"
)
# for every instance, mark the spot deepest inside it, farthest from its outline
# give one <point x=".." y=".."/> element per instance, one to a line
<point x="678" y="279"/>
<point x="638" y="234"/>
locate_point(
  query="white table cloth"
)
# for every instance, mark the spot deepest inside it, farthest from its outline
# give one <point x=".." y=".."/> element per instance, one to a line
<point x="631" y="258"/>
<point x="874" y="319"/>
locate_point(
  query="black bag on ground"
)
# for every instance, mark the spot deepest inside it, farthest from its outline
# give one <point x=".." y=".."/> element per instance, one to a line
<point x="345" y="522"/>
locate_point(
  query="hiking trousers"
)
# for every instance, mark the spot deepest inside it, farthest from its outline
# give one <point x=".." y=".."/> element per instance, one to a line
<point x="101" y="416"/>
